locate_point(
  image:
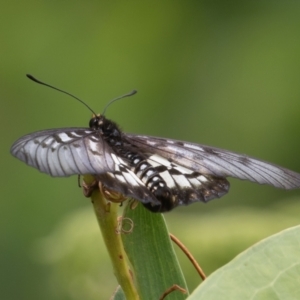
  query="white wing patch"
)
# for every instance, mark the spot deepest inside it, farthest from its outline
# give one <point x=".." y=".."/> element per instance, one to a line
<point x="118" y="160"/>
<point x="176" y="176"/>
<point x="169" y="180"/>
<point x="182" y="181"/>
<point x="202" y="178"/>
<point x="159" y="160"/>
<point x="64" y="137"/>
<point x="192" y="146"/>
<point x="182" y="169"/>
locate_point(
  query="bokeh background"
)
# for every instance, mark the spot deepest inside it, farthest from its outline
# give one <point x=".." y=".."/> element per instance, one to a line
<point x="222" y="73"/>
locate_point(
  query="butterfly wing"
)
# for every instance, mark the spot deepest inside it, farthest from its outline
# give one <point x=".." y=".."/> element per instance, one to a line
<point x="193" y="172"/>
<point x="217" y="162"/>
<point x="79" y="151"/>
<point x="63" y="152"/>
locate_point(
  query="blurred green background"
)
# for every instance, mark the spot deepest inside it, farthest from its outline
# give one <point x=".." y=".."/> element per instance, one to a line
<point x="222" y="73"/>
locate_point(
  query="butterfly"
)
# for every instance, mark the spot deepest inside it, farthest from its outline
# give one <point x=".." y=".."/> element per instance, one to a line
<point x="160" y="173"/>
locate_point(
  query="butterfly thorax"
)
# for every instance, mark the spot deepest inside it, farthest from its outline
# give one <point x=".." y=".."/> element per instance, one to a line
<point x="108" y="129"/>
<point x="138" y="163"/>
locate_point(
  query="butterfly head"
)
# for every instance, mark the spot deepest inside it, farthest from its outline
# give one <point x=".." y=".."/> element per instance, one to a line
<point x="107" y="127"/>
<point x="96" y="121"/>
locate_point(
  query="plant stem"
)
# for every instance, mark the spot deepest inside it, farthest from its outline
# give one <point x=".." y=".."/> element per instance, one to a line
<point x="107" y="216"/>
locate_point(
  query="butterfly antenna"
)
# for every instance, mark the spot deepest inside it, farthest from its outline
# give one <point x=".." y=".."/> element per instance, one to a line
<point x="121" y="97"/>
<point x="62" y="91"/>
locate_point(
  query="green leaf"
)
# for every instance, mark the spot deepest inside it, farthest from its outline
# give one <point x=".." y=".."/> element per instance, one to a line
<point x="267" y="270"/>
<point x="118" y="295"/>
<point x="151" y="254"/>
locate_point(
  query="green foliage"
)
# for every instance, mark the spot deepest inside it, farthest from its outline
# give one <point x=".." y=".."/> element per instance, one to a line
<point x="151" y="255"/>
<point x="78" y="265"/>
<point x="267" y="270"/>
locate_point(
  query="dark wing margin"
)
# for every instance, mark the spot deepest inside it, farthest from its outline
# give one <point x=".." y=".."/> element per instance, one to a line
<point x="217" y="162"/>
